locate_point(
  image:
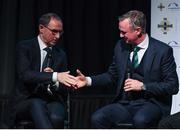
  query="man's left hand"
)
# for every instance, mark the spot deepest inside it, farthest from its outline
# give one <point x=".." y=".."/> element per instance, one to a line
<point x="48" y="69"/>
<point x="132" y="85"/>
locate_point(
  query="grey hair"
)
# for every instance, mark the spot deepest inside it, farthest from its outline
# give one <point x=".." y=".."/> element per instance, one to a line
<point x="46" y="18"/>
<point x="136" y="19"/>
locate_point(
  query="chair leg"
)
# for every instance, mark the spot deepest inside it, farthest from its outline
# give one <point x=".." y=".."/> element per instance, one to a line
<point x="24" y="124"/>
<point x="124" y="125"/>
<point x="67" y="122"/>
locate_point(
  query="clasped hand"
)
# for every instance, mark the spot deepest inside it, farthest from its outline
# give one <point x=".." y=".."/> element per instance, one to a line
<point x="70" y="80"/>
<point x="132" y="85"/>
<point x="67" y="79"/>
<point x="64" y="77"/>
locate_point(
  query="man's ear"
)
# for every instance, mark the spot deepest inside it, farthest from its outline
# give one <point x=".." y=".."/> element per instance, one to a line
<point x="41" y="27"/>
<point x="139" y="31"/>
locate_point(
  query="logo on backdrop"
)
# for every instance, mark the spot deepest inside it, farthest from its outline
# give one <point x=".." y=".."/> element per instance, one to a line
<point x="165" y="25"/>
<point x="174" y="44"/>
<point x="173" y="6"/>
<point x="161" y="7"/>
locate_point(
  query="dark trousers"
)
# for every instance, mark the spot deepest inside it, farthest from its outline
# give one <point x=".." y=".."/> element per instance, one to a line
<point x="45" y="115"/>
<point x="141" y="113"/>
<point x="170" y="122"/>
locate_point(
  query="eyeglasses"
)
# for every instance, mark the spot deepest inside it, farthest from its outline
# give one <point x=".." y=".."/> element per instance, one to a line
<point x="54" y="31"/>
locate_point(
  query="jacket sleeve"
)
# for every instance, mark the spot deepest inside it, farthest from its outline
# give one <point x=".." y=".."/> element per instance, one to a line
<point x="166" y="82"/>
<point x="106" y="78"/>
<point x="24" y="67"/>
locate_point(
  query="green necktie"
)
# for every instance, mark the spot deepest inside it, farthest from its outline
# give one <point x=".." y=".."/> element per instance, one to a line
<point x="135" y="56"/>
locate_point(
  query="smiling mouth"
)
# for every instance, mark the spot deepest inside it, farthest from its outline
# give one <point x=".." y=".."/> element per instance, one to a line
<point x="126" y="40"/>
<point x="55" y="40"/>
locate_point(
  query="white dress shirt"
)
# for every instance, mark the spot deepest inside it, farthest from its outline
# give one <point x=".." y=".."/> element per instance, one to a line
<point x="143" y="45"/>
<point x="42" y="45"/>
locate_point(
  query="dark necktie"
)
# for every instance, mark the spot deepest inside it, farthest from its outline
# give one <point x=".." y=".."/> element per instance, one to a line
<point x="47" y="63"/>
<point x="48" y="59"/>
<point x="135" y="56"/>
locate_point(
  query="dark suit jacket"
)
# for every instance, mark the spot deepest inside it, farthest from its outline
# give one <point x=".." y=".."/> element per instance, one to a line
<point x="28" y="67"/>
<point x="160" y="76"/>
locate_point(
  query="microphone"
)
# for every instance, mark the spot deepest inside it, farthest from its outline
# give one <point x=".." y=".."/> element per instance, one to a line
<point x="128" y="73"/>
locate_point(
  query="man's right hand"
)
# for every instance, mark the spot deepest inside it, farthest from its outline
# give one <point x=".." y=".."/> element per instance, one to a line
<point x="67" y="79"/>
<point x="81" y="80"/>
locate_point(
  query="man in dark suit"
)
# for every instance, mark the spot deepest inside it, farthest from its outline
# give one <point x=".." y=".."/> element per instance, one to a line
<point x="42" y="75"/>
<point x="144" y="71"/>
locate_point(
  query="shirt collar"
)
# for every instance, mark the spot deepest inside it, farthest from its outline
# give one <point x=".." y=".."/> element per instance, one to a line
<point x="144" y="44"/>
<point x="42" y="45"/>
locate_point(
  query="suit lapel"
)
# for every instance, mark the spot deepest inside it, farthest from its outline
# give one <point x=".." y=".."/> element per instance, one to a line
<point x="56" y="59"/>
<point x="148" y="60"/>
<point x="36" y="55"/>
<point x="122" y="64"/>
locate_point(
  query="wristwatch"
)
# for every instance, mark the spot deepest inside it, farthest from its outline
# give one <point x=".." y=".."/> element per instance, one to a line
<point x="143" y="87"/>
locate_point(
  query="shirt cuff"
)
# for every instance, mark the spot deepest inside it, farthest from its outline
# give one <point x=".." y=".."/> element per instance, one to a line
<point x="54" y="77"/>
<point x="143" y="87"/>
<point x="89" y="81"/>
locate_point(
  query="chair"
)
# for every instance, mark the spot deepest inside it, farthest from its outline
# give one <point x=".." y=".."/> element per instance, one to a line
<point x="28" y="124"/>
<point x="24" y="124"/>
<point x="67" y="120"/>
<point x="124" y="126"/>
<point x="83" y="106"/>
<point x="130" y="126"/>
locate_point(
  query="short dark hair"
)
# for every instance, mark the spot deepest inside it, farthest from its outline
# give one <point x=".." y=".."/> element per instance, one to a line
<point x="136" y="19"/>
<point x="45" y="18"/>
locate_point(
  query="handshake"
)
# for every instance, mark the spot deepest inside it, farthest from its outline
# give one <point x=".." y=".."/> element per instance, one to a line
<point x="72" y="81"/>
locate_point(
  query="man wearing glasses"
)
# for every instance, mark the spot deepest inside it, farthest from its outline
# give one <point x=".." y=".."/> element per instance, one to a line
<point x="42" y="76"/>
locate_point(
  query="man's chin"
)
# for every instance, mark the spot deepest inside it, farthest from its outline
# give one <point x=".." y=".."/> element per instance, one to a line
<point x="127" y="41"/>
<point x="53" y="43"/>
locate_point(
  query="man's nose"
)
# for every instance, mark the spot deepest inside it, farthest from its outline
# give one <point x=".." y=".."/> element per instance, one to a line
<point x="57" y="35"/>
<point x="121" y="35"/>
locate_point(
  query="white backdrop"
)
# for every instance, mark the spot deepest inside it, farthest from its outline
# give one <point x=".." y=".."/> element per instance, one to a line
<point x="165" y="26"/>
